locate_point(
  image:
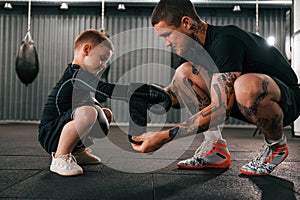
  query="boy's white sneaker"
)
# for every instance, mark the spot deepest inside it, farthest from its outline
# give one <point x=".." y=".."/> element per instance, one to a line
<point x="84" y="156"/>
<point x="65" y="165"/>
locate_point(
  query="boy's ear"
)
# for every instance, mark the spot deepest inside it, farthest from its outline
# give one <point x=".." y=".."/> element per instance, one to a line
<point x="86" y="49"/>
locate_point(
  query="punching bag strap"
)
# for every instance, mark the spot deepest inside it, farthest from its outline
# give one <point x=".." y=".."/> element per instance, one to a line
<point x="29" y="16"/>
<point x="28" y="37"/>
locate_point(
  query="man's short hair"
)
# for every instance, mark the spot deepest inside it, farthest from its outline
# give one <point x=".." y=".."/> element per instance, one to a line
<point x="172" y="11"/>
<point x="93" y="37"/>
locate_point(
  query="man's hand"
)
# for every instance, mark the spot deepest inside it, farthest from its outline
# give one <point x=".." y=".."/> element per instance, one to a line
<point x="151" y="141"/>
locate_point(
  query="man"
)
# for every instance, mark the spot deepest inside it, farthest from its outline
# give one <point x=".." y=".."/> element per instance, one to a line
<point x="253" y="82"/>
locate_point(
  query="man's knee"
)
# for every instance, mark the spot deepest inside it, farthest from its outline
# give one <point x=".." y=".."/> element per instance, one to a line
<point x="250" y="88"/>
<point x="197" y="79"/>
<point x="184" y="70"/>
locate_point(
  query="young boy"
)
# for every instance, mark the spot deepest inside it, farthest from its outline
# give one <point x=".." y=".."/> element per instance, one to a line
<point x="67" y="120"/>
<point x="72" y="112"/>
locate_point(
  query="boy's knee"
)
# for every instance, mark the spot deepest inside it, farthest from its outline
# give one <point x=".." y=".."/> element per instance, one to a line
<point x="86" y="115"/>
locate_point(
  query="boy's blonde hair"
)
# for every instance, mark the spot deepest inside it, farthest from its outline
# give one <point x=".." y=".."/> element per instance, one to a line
<point x="93" y="37"/>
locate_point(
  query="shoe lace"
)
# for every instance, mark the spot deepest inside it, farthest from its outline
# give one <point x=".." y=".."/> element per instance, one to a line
<point x="69" y="158"/>
<point x="260" y="161"/>
<point x="204" y="147"/>
<point x="88" y="150"/>
<point x="263" y="155"/>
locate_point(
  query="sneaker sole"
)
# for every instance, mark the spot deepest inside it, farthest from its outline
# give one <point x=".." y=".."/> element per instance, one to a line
<point x="223" y="165"/>
<point x="75" y="174"/>
<point x="90" y="163"/>
<point x="256" y="174"/>
<point x="251" y="173"/>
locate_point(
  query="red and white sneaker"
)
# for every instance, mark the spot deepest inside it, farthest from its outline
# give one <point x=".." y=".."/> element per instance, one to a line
<point x="269" y="157"/>
<point x="211" y="154"/>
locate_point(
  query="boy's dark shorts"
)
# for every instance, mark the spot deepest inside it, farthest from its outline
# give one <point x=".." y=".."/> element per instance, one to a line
<point x="290" y="104"/>
<point x="49" y="132"/>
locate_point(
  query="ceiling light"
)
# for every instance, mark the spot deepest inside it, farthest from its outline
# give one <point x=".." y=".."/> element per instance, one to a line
<point x="236" y="8"/>
<point x="271" y="40"/>
<point x="7" y="6"/>
<point x="64" y="6"/>
<point x="121" y="6"/>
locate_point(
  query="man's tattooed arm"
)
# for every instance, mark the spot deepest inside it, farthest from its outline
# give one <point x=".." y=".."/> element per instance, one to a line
<point x="222" y="99"/>
<point x="172" y="90"/>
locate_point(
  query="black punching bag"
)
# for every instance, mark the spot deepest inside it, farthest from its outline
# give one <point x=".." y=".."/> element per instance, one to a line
<point x="27" y="63"/>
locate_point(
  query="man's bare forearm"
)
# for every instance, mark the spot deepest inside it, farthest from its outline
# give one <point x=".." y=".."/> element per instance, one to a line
<point x="213" y="115"/>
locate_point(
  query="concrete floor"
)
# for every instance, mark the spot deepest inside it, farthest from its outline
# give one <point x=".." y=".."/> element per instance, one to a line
<point x="24" y="170"/>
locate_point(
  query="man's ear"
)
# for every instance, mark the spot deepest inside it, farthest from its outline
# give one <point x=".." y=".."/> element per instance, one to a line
<point x="187" y="22"/>
<point x="86" y="49"/>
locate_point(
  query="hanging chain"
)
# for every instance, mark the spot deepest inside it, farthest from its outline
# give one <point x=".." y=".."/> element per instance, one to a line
<point x="28" y="35"/>
<point x="29" y="15"/>
<point x="102" y="16"/>
<point x="256" y="16"/>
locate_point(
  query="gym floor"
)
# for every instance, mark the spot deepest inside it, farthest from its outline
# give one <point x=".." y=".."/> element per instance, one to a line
<point x="24" y="171"/>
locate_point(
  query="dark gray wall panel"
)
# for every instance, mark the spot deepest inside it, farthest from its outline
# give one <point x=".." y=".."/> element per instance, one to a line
<point x="53" y="32"/>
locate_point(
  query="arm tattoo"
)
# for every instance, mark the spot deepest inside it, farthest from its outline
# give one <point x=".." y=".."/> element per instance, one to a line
<point x="173" y="92"/>
<point x="221" y="103"/>
<point x="172" y="95"/>
<point x="195" y="70"/>
<point x="188" y="99"/>
<point x="229" y="90"/>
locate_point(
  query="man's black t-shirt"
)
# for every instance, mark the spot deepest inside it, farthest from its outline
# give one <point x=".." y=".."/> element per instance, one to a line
<point x="235" y="50"/>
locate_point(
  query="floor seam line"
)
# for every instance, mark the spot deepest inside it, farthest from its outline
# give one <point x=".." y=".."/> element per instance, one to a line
<point x="20" y="181"/>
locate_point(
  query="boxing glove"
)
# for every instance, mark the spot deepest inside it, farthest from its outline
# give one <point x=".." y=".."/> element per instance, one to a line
<point x="138" y="118"/>
<point x="157" y="99"/>
<point x="142" y="98"/>
<point x="104" y="118"/>
<point x="160" y="101"/>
